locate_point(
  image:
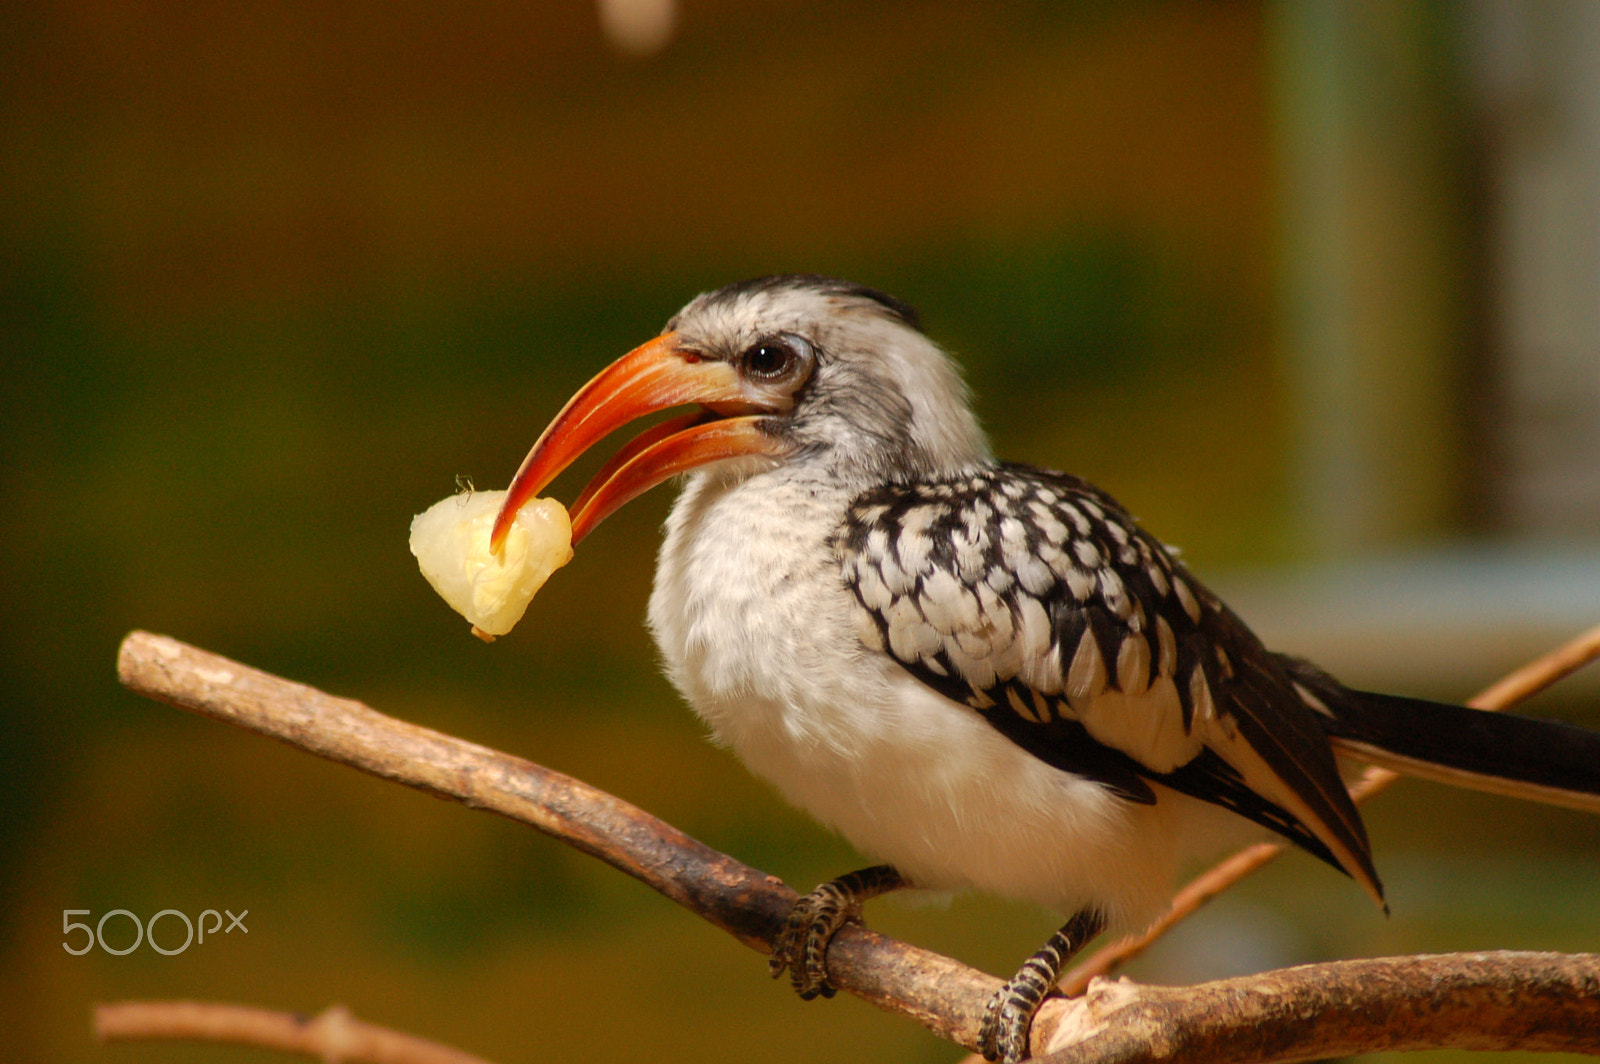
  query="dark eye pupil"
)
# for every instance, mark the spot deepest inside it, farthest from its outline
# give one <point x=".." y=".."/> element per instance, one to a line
<point x="767" y="360"/>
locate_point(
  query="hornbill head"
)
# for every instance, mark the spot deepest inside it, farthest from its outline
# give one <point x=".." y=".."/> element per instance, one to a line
<point x="782" y="370"/>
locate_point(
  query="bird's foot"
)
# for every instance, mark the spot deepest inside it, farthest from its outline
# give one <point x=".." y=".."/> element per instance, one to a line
<point x="801" y="947"/>
<point x="1008" y="1019"/>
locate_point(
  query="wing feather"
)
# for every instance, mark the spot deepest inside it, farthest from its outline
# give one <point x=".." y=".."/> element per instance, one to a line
<point x="1037" y="601"/>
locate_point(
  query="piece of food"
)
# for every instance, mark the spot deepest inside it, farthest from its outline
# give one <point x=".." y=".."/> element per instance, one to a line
<point x="451" y="542"/>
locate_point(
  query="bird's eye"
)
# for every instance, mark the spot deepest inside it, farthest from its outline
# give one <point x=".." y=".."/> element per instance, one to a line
<point x="776" y="358"/>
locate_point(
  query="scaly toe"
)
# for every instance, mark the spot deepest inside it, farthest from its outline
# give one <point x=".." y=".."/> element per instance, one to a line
<point x="1006" y="1023"/>
<point x="802" y="946"/>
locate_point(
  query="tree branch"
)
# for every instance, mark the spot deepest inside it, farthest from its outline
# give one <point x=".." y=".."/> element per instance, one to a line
<point x="1546" y="1001"/>
<point x="937" y="992"/>
<point x="332" y="1035"/>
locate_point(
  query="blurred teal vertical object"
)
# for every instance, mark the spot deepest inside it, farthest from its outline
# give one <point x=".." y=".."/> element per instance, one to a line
<point x="1372" y="268"/>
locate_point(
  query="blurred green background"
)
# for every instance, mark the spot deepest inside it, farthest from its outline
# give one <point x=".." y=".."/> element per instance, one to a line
<point x="275" y="275"/>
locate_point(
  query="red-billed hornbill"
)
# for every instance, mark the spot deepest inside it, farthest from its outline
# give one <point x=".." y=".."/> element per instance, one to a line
<point x="985" y="675"/>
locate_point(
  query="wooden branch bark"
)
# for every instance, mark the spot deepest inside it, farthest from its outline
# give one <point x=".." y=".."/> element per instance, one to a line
<point x="1545" y="1001"/>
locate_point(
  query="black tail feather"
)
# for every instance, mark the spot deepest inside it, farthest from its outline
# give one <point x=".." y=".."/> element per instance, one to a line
<point x="1544" y="760"/>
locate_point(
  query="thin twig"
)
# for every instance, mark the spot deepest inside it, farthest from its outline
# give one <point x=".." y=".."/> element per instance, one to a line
<point x="332" y="1035"/>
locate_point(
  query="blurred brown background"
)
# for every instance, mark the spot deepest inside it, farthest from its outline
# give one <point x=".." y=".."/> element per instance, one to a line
<point x="1314" y="288"/>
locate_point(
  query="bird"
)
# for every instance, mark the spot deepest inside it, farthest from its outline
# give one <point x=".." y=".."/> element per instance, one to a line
<point x="984" y="675"/>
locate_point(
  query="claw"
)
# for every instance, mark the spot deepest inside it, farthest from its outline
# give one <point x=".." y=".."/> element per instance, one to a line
<point x="801" y="948"/>
<point x="1008" y="1018"/>
<point x="1007" y="1022"/>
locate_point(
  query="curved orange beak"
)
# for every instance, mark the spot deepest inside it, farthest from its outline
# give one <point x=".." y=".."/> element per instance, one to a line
<point x="655" y="376"/>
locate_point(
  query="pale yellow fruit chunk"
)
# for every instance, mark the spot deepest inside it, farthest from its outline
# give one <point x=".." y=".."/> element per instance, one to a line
<point x="451" y="542"/>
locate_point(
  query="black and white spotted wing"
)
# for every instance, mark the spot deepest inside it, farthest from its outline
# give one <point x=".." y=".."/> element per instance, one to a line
<point x="1035" y="599"/>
